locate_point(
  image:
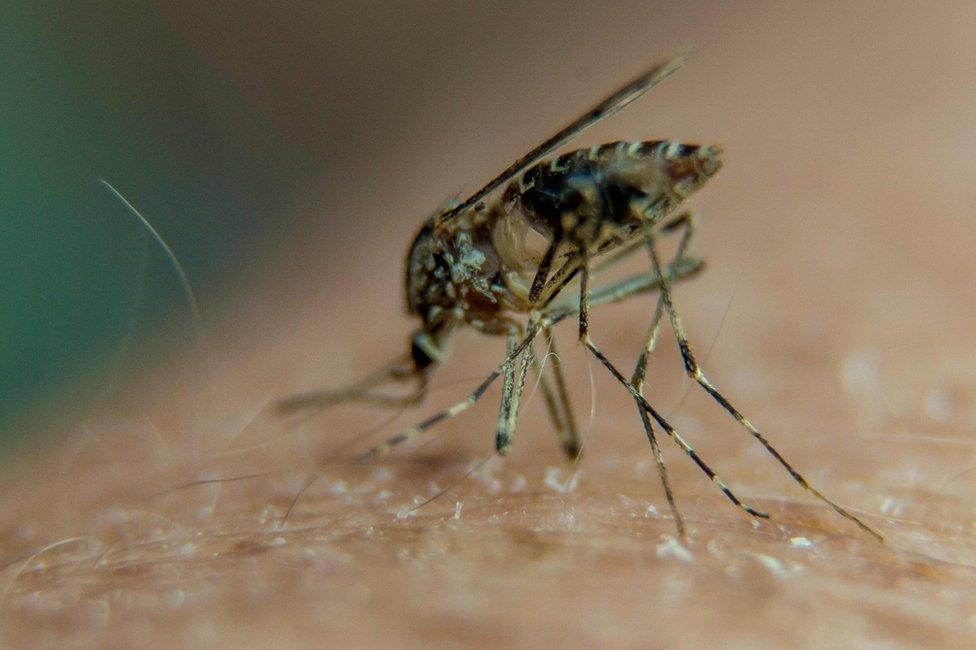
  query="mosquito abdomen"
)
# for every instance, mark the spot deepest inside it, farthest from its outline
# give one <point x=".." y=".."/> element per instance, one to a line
<point x="615" y="184"/>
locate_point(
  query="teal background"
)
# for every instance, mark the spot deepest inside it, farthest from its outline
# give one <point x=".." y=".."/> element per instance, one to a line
<point x="103" y="91"/>
<point x="242" y="131"/>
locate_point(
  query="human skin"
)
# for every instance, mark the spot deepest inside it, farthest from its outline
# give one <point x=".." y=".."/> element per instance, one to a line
<point x="839" y="239"/>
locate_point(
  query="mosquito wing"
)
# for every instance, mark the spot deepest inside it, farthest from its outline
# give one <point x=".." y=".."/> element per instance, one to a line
<point x="605" y="108"/>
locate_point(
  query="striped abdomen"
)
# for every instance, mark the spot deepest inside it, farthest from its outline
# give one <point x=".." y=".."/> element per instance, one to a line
<point x="583" y="195"/>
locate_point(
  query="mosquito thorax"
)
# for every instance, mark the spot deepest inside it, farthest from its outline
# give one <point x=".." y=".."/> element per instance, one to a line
<point x="454" y="275"/>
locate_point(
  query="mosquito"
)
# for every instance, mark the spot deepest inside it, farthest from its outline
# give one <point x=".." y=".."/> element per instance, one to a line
<point x="473" y="264"/>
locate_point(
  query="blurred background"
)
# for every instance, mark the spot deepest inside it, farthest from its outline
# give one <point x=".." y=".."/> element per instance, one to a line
<point x="288" y="152"/>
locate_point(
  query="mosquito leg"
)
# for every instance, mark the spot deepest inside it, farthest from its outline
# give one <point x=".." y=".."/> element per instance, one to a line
<point x="620" y="290"/>
<point x="672" y="432"/>
<point x="637" y="380"/>
<point x="645" y="406"/>
<point x="610" y="293"/>
<point x="565" y="273"/>
<point x="695" y="372"/>
<point x="456" y="409"/>
<point x="662" y="470"/>
<point x="508" y="417"/>
<point x="562" y="277"/>
<point x="504" y="441"/>
<point x="566" y="427"/>
<point x="680" y="269"/>
<point x="563" y="419"/>
<point x="640" y="373"/>
<point x="321" y="400"/>
<point x="584" y="303"/>
<point x="504" y="434"/>
<point x="626" y="250"/>
<point x="542" y="273"/>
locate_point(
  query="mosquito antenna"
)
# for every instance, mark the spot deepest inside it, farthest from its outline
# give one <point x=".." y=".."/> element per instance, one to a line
<point x="320" y="400"/>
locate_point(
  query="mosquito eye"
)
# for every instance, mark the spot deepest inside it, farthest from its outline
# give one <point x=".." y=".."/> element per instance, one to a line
<point x="421" y="359"/>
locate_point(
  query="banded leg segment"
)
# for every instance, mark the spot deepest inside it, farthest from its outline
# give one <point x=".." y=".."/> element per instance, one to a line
<point x="641" y="283"/>
<point x="452" y="411"/>
<point x="695" y="372"/>
<point x="503" y="434"/>
<point x="584" y="304"/>
<point x="559" y="280"/>
<point x="640" y="372"/>
<point x="558" y="402"/>
<point x="646" y="407"/>
<point x="567" y="272"/>
<point x="638" y="382"/>
<point x="512" y="393"/>
<point x="362" y="391"/>
<point x="504" y="442"/>
<point x="671" y="431"/>
<point x="542" y="273"/>
<point x="610" y="293"/>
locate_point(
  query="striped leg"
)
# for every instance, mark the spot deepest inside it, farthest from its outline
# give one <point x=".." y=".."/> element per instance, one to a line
<point x="456" y="409"/>
<point x="638" y="382"/>
<point x="567" y="272"/>
<point x="613" y="292"/>
<point x="647" y="408"/>
<point x="559" y="280"/>
<point x="640" y="371"/>
<point x="512" y="393"/>
<point x="542" y="273"/>
<point x="695" y="372"/>
<point x="584" y="303"/>
<point x="638" y="284"/>
<point x="510" y="408"/>
<point x="316" y="401"/>
<point x="672" y="432"/>
<point x="558" y="402"/>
